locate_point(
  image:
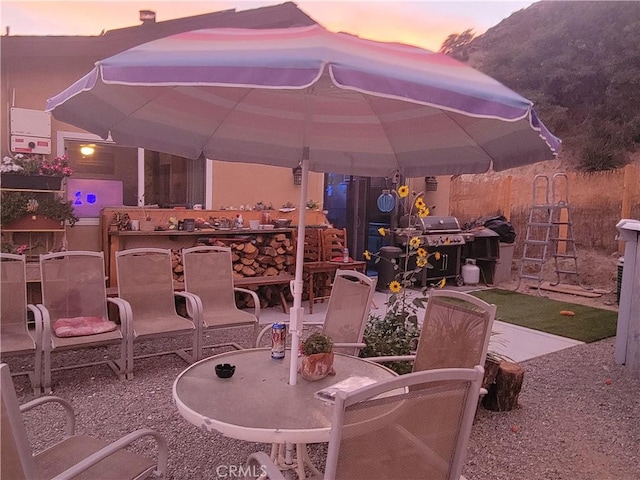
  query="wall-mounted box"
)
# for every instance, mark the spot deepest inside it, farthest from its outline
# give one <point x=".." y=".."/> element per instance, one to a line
<point x="24" y="144"/>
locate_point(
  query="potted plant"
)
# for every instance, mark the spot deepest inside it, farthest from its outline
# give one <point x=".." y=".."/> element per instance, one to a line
<point x="21" y="211"/>
<point x="34" y="172"/>
<point x="317" y="359"/>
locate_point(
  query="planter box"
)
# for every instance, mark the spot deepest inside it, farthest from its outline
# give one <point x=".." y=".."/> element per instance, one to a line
<point x="31" y="182"/>
<point x="33" y="223"/>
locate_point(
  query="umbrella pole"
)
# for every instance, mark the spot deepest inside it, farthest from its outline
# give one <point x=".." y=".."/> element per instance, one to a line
<point x="296" y="314"/>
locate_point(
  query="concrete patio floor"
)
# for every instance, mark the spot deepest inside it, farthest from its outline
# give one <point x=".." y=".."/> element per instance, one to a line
<point x="515" y="342"/>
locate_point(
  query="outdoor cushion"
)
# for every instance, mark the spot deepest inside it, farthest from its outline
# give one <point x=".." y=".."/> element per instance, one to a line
<point x="80" y="326"/>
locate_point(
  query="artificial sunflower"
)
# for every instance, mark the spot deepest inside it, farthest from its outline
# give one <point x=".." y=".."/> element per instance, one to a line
<point x="437" y="255"/>
<point x="419" y="203"/>
<point x="367" y="255"/>
<point x="403" y="191"/>
<point x="382" y="231"/>
<point x="422" y="252"/>
<point x="442" y="283"/>
<point x="395" y="286"/>
<point x="423" y="212"/>
<point x="414" y="242"/>
<point x="421" y="262"/>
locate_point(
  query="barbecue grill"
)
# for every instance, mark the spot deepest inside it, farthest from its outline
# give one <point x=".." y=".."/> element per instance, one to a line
<point x="437" y="234"/>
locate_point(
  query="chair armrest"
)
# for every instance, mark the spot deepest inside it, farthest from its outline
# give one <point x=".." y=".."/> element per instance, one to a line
<point x="391" y="358"/>
<point x="262" y="463"/>
<point x="70" y="426"/>
<point x="37" y="318"/>
<point x="120" y="444"/>
<point x="256" y="300"/>
<point x="261" y="334"/>
<point x="194" y="307"/>
<point x="124" y="313"/>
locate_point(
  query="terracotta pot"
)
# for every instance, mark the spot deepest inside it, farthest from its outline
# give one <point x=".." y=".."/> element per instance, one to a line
<point x="317" y="366"/>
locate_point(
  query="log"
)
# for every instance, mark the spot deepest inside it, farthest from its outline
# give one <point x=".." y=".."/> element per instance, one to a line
<point x="248" y="271"/>
<point x="503" y="394"/>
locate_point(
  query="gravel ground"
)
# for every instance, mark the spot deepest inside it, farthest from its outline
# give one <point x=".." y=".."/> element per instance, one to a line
<point x="572" y="423"/>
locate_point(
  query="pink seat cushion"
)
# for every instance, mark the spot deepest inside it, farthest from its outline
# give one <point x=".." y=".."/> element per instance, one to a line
<point x="79" y="326"/>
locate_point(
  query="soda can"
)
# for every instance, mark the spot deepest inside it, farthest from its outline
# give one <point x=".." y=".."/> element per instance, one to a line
<point x="278" y="336"/>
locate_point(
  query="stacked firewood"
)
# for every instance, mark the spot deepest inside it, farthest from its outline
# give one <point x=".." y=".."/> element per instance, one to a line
<point x="252" y="256"/>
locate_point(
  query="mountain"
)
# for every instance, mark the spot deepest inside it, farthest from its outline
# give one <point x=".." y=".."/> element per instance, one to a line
<point x="579" y="62"/>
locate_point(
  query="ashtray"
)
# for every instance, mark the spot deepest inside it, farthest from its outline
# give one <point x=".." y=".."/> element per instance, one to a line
<point x="225" y="370"/>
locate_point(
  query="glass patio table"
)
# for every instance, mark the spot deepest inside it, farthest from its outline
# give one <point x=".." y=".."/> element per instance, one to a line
<point x="257" y="404"/>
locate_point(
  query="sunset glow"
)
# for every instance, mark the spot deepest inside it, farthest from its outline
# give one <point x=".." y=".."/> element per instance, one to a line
<point x="424" y="23"/>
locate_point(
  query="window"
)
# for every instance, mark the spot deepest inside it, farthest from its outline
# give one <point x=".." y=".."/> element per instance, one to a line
<point x="168" y="180"/>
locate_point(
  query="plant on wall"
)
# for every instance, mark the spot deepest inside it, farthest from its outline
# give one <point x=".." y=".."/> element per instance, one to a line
<point x="16" y="205"/>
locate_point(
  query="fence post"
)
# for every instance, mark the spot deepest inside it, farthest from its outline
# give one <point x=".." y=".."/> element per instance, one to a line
<point x="627" y="186"/>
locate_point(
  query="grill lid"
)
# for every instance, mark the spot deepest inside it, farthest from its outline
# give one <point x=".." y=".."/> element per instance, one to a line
<point x="434" y="224"/>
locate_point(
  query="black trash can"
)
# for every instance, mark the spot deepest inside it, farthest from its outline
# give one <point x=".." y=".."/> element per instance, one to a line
<point x="386" y="272"/>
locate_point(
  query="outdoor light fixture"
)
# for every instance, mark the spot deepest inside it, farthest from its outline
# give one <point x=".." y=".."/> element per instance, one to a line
<point x="87" y="150"/>
<point x="297" y="175"/>
<point x="386" y="201"/>
<point x="431" y="184"/>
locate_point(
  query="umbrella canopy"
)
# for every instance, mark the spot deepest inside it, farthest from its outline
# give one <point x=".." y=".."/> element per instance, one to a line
<point x="331" y="102"/>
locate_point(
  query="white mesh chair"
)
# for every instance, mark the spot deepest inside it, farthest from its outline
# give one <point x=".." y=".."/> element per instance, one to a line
<point x="16" y="336"/>
<point x="74" y="291"/>
<point x="75" y="456"/>
<point x="208" y="273"/>
<point x="455" y="332"/>
<point x="145" y="284"/>
<point x="369" y="441"/>
<point x="347" y="311"/>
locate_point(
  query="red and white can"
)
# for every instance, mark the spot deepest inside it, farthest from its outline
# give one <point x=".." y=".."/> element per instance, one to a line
<point x="278" y="337"/>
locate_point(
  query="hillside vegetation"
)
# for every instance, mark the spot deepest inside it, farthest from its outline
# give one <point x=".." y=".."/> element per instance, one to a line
<point x="579" y="62"/>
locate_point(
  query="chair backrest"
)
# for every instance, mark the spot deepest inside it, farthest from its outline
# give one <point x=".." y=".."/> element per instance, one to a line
<point x="411" y="426"/>
<point x="334" y="241"/>
<point x="13" y="290"/>
<point x="17" y="461"/>
<point x="74" y="284"/>
<point x="145" y="280"/>
<point x="208" y="272"/>
<point x="313" y="245"/>
<point x="456" y="331"/>
<point x="349" y="306"/>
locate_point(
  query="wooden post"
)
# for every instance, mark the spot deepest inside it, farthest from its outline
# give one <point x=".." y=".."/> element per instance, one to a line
<point x="506" y="197"/>
<point x="630" y="174"/>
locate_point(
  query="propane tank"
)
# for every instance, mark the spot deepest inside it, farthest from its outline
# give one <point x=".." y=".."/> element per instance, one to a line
<point x="470" y="272"/>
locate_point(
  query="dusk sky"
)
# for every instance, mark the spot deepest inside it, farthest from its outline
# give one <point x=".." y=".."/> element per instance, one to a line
<point x="425" y="23"/>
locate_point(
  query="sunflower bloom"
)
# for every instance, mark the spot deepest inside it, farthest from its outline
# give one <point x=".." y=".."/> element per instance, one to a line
<point x="423" y="213"/>
<point x="442" y="283"/>
<point x="414" y="242"/>
<point x="421" y="262"/>
<point x="422" y="252"/>
<point x="403" y="191"/>
<point x="437" y="255"/>
<point x="395" y="286"/>
<point x="419" y="203"/>
<point x="367" y="255"/>
<point x="382" y="231"/>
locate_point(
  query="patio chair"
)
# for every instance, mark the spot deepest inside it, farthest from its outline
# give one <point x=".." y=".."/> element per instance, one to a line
<point x="16" y="336"/>
<point x="145" y="283"/>
<point x="347" y="312"/>
<point x="75" y="312"/>
<point x="75" y="456"/>
<point x="208" y="273"/>
<point x="455" y="332"/>
<point x="368" y="441"/>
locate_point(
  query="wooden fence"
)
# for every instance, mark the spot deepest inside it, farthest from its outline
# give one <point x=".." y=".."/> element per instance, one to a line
<point x="597" y="202"/>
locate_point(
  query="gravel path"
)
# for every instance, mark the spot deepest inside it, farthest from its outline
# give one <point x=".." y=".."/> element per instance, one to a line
<point x="571" y="423"/>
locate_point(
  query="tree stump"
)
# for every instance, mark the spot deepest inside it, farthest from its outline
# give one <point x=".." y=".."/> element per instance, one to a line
<point x="503" y="394"/>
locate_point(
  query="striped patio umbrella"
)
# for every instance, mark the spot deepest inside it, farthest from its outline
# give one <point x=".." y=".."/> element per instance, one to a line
<point x="331" y="102"/>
